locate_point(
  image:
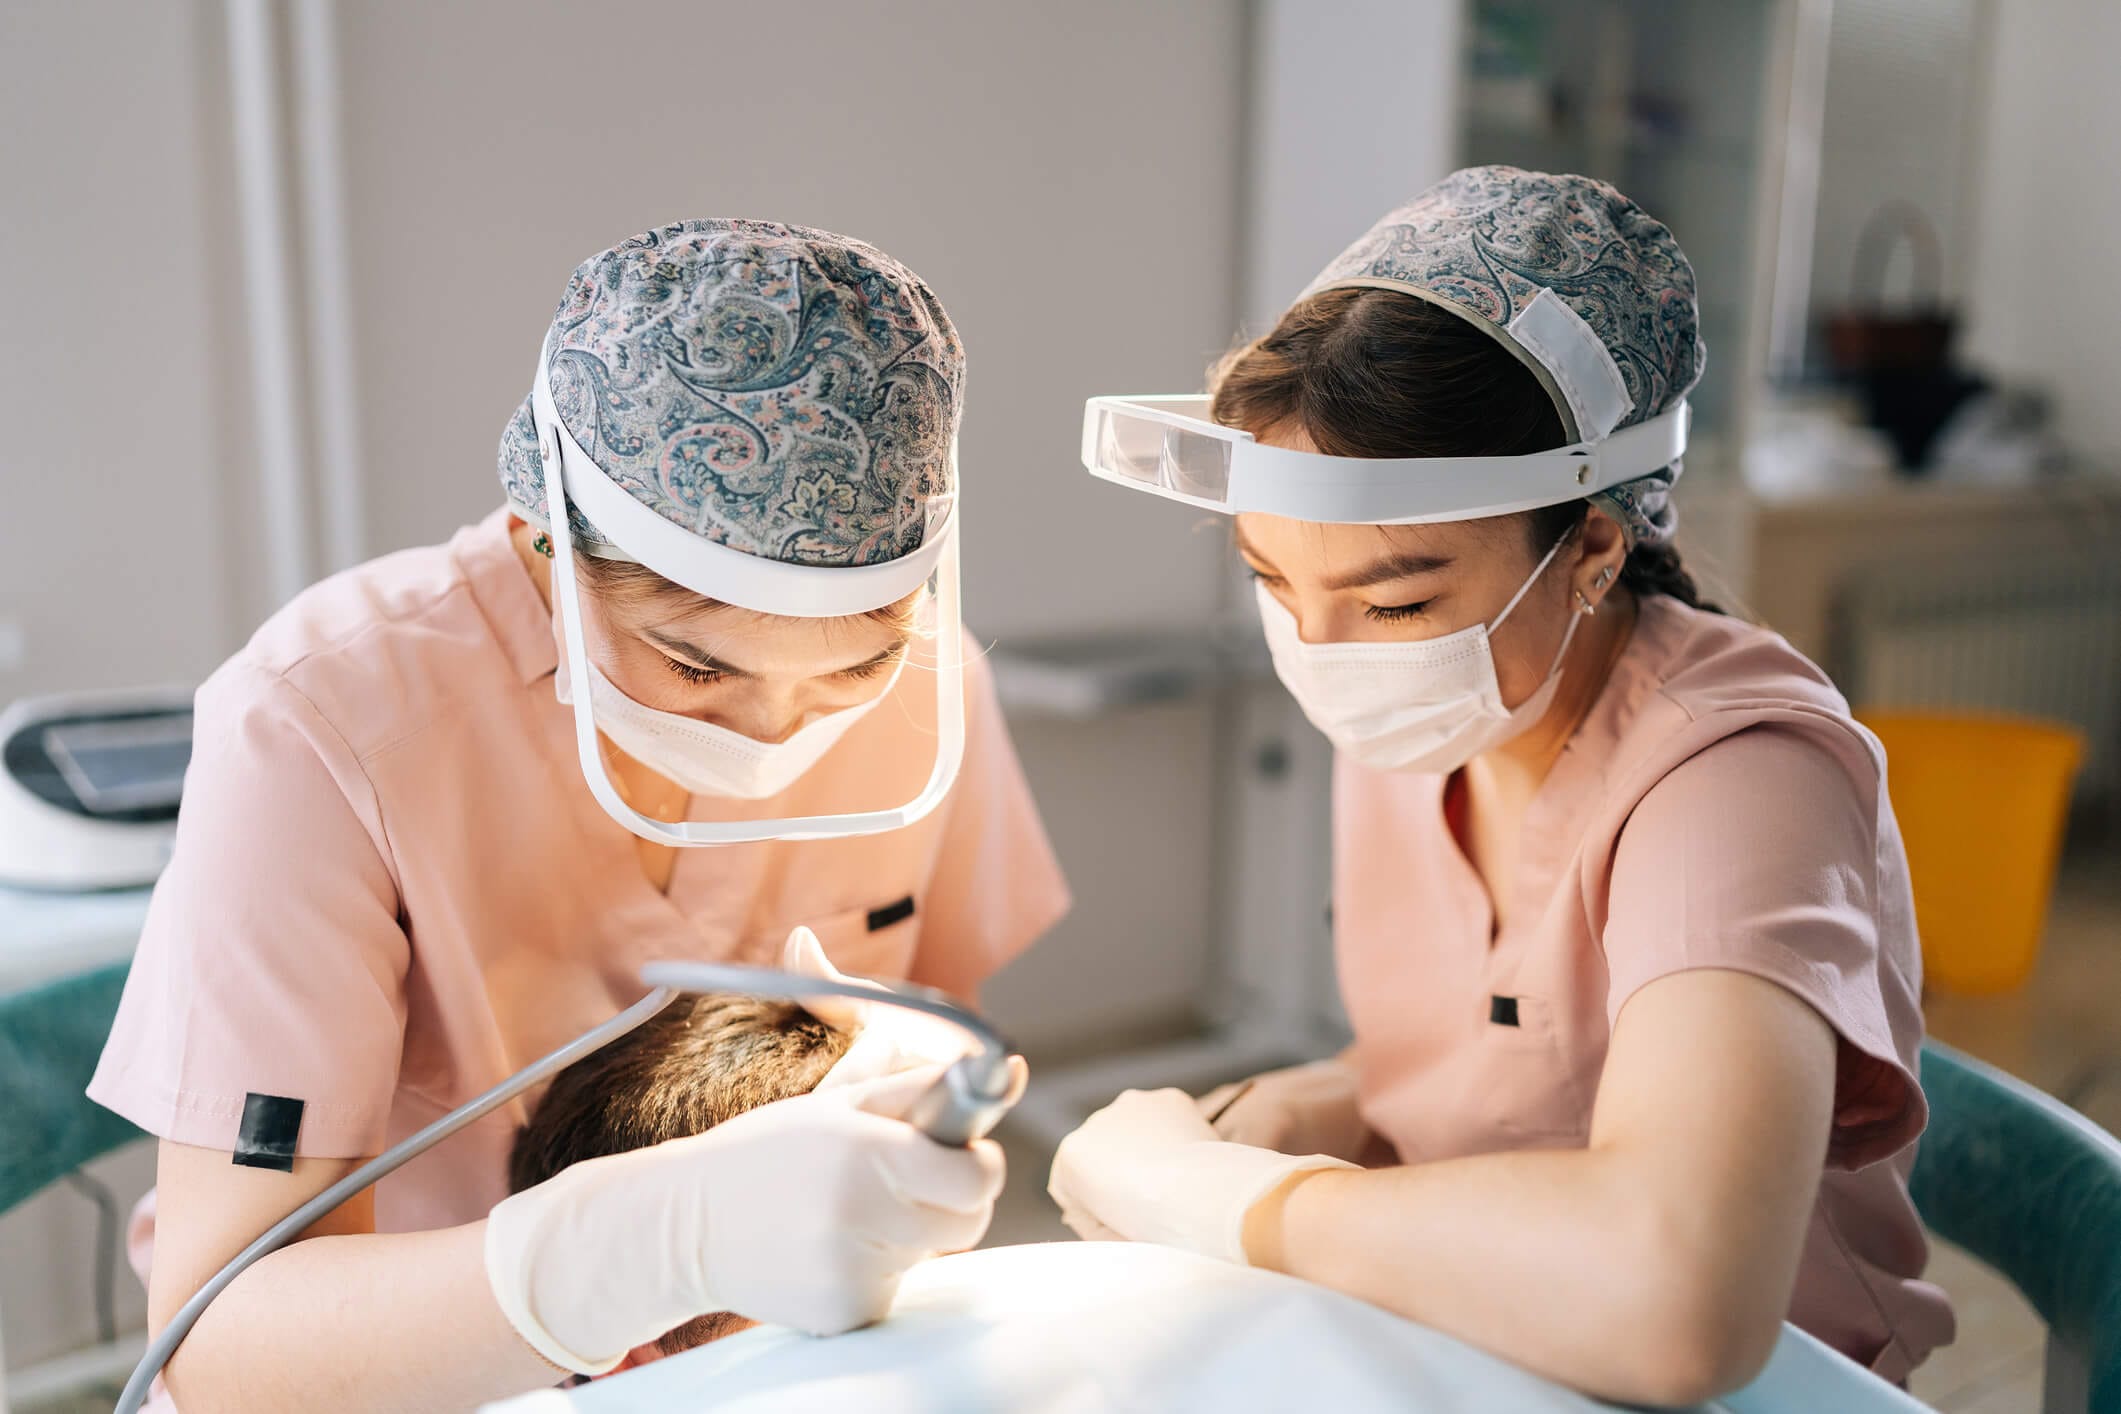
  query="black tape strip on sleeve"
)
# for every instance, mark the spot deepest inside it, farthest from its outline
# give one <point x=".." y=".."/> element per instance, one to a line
<point x="266" y="1138"/>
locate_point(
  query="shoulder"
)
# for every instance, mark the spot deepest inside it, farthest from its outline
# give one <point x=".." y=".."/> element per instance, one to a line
<point x="372" y="655"/>
<point x="1735" y="701"/>
<point x="1712" y="662"/>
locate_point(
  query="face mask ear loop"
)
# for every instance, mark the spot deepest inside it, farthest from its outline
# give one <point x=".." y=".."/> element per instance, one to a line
<point x="1526" y="587"/>
<point x="1563" y="651"/>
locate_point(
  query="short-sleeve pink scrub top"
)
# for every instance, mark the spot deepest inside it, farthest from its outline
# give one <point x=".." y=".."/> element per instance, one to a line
<point x="1717" y="808"/>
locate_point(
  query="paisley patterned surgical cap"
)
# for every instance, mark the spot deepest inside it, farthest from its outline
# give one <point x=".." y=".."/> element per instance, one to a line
<point x="786" y="392"/>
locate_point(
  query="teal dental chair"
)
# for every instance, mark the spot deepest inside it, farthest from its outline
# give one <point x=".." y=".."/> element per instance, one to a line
<point x="2033" y="1189"/>
<point x="50" y="1037"/>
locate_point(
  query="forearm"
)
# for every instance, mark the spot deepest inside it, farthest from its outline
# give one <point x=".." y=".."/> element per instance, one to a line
<point x="370" y="1321"/>
<point x="1556" y="1260"/>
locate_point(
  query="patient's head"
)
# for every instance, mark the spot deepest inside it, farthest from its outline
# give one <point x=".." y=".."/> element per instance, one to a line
<point x="702" y="1060"/>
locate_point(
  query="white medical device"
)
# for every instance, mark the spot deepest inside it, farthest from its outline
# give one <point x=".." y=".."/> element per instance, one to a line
<point x="89" y="784"/>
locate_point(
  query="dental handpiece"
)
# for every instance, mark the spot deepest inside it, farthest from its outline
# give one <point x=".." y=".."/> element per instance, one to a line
<point x="964" y="1104"/>
<point x="966" y="1101"/>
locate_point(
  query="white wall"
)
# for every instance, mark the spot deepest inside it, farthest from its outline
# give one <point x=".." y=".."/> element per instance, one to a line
<point x="113" y="361"/>
<point x="2046" y="290"/>
<point x="1353" y="112"/>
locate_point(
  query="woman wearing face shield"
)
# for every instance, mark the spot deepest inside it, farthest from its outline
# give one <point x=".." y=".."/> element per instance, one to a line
<point x="436" y="822"/>
<point x="1621" y="913"/>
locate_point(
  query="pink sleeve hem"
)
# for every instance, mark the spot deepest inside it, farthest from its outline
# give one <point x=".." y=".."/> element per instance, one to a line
<point x="208" y="1120"/>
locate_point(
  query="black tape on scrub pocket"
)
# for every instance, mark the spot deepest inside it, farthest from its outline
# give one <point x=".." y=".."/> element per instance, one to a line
<point x="890" y="913"/>
<point x="266" y="1138"/>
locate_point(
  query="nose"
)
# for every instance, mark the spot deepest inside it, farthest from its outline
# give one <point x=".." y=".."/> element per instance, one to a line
<point x="1316" y="622"/>
<point x="764" y="713"/>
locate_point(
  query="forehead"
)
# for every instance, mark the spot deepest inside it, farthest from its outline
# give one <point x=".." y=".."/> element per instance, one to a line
<point x="1318" y="545"/>
<point x="747" y="639"/>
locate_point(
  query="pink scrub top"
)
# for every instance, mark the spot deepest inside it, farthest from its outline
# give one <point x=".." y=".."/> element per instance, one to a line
<point x="1717" y="808"/>
<point x="391" y="887"/>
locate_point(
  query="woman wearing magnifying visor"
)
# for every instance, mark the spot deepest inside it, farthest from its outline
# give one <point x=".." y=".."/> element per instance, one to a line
<point x="437" y="820"/>
<point x="1621" y="914"/>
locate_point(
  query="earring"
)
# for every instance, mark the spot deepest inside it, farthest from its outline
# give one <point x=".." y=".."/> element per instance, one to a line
<point x="543" y="545"/>
<point x="1605" y="576"/>
<point x="1585" y="605"/>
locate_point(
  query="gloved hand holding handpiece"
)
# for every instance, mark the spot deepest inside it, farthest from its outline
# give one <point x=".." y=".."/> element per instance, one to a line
<point x="802" y="1213"/>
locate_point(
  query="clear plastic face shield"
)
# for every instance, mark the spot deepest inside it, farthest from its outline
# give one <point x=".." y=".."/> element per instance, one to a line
<point x="1169" y="447"/>
<point x="747" y="582"/>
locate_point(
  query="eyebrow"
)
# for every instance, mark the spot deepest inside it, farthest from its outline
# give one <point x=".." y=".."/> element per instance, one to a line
<point x="691" y="653"/>
<point x="1402" y="564"/>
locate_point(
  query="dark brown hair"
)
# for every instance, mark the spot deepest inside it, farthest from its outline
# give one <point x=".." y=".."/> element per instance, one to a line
<point x="698" y="1063"/>
<point x="1381" y="373"/>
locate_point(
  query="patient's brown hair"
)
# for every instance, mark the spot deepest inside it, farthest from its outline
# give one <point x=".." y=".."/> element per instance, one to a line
<point x="701" y="1061"/>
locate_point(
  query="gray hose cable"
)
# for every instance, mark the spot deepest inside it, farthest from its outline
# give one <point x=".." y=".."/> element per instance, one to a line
<point x="295" y="1223"/>
<point x="963" y="1105"/>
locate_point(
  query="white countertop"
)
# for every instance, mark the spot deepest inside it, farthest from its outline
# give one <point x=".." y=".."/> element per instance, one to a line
<point x="44" y="936"/>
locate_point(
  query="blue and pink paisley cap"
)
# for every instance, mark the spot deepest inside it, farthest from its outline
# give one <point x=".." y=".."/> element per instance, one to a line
<point x="786" y="392"/>
<point x="1486" y="241"/>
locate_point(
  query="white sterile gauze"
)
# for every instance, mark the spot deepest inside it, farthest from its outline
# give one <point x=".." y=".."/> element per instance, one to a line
<point x="1429" y="705"/>
<point x="707" y="759"/>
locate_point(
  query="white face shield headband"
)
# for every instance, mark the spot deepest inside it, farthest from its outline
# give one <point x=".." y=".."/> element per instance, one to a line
<point x="1169" y="447"/>
<point x="748" y="582"/>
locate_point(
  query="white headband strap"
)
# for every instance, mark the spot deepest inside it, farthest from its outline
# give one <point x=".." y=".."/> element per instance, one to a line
<point x="1583" y="367"/>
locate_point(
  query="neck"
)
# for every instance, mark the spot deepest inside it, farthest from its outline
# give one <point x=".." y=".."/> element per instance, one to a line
<point x="1521" y="763"/>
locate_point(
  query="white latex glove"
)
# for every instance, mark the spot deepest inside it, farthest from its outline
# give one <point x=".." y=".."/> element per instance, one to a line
<point x="800" y="1213"/>
<point x="1148" y="1168"/>
<point x="887" y="1038"/>
<point x="1305" y="1109"/>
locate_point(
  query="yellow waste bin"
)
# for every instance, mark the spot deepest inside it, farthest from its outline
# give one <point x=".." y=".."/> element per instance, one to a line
<point x="1982" y="802"/>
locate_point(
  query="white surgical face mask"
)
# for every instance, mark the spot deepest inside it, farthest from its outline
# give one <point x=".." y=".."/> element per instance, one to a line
<point x="1431" y="705"/>
<point x="707" y="759"/>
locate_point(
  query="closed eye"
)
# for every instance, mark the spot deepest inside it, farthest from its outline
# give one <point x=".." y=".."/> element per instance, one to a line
<point x="692" y="672"/>
<point x="866" y="670"/>
<point x="1391" y="613"/>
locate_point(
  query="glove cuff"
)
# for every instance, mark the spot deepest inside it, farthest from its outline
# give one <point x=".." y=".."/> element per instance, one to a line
<point x="511" y="1242"/>
<point x="1261" y="1173"/>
